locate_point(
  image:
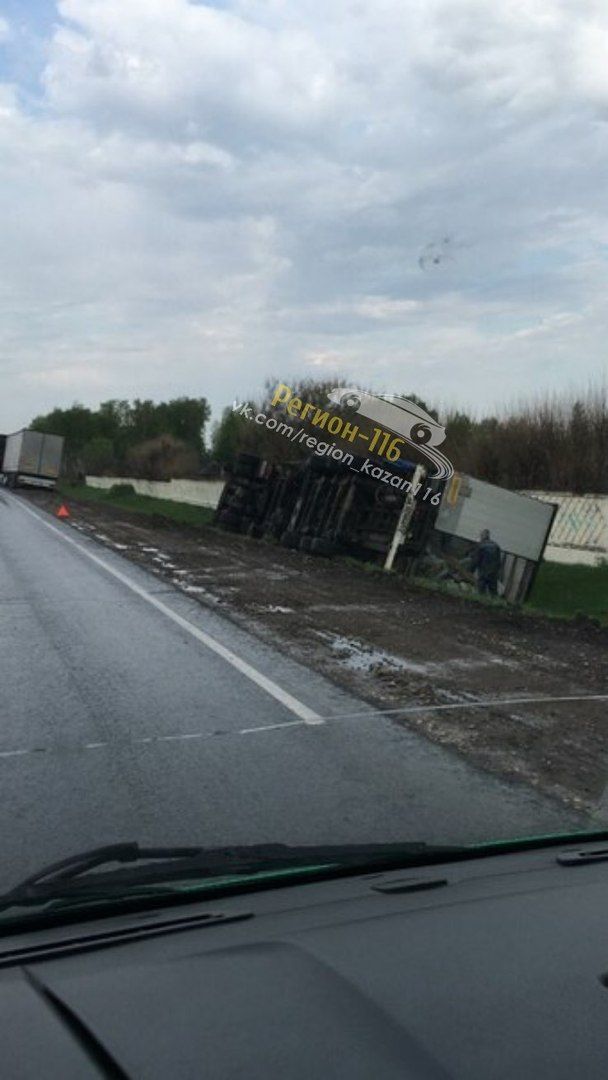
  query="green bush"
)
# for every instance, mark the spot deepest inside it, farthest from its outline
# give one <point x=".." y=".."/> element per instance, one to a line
<point x="122" y="489"/>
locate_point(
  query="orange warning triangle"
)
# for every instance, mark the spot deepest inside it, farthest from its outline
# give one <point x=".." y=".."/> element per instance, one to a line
<point x="63" y="511"/>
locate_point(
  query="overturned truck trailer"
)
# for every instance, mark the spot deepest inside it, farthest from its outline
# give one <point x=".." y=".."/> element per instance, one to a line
<point x="318" y="506"/>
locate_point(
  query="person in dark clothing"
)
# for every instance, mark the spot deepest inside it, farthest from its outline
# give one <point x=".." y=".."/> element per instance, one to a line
<point x="486" y="561"/>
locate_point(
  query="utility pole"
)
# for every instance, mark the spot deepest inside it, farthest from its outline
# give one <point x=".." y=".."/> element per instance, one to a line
<point x="404" y="519"/>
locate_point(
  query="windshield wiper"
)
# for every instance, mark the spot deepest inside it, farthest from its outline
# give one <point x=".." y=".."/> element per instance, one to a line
<point x="72" y="877"/>
<point x="55" y="879"/>
<point x="159" y="872"/>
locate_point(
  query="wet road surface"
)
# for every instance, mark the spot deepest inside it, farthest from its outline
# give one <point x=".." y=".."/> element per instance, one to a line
<point x="129" y="711"/>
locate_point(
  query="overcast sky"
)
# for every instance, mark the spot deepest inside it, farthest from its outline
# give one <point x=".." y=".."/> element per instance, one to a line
<point x="410" y="195"/>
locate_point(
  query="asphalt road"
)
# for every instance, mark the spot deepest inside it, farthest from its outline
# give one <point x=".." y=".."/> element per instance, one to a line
<point x="129" y="711"/>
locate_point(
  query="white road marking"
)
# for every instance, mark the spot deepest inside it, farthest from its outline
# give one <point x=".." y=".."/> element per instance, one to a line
<point x="376" y="714"/>
<point x="270" y="727"/>
<point x="287" y="700"/>
<point x="484" y="703"/>
<point x="147" y="739"/>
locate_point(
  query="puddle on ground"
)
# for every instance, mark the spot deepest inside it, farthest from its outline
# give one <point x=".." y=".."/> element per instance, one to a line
<point x="363" y="658"/>
<point x="357" y="656"/>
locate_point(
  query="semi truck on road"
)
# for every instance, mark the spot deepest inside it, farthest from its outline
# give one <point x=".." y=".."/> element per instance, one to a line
<point x="31" y="458"/>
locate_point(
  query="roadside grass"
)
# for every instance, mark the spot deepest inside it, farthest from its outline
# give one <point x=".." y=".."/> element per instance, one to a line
<point x="463" y="592"/>
<point x="182" y="513"/>
<point x="560" y="591"/>
<point x="566" y="591"/>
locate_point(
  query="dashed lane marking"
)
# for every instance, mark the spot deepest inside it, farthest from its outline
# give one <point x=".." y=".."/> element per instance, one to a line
<point x="377" y="714"/>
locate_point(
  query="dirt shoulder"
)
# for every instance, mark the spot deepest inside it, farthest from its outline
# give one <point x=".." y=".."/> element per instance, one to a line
<point x="398" y="646"/>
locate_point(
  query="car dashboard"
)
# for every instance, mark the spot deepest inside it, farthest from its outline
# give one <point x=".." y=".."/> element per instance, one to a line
<point x="495" y="967"/>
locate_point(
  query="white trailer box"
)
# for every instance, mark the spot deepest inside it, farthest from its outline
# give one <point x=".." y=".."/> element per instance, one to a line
<point x="32" y="458"/>
<point x="519" y="524"/>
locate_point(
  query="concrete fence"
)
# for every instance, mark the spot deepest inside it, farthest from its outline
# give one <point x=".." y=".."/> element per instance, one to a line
<point x="580" y="528"/>
<point x="195" y="492"/>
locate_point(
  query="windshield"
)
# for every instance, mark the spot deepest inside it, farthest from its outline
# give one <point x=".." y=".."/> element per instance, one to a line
<point x="304" y="451"/>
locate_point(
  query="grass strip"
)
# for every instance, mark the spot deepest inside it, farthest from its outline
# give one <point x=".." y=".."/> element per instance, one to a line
<point x="569" y="590"/>
<point x="182" y="513"/>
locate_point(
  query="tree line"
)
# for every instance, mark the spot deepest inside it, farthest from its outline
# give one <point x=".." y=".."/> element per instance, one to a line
<point x="556" y="444"/>
<point x="139" y="438"/>
<point x="551" y="445"/>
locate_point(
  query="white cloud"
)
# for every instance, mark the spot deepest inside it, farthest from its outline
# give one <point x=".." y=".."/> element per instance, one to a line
<point x="202" y="196"/>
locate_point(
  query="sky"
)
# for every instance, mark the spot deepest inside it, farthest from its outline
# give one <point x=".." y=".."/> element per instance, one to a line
<point x="410" y="197"/>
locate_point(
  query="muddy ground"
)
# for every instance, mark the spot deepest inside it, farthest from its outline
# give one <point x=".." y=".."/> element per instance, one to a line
<point x="399" y="647"/>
